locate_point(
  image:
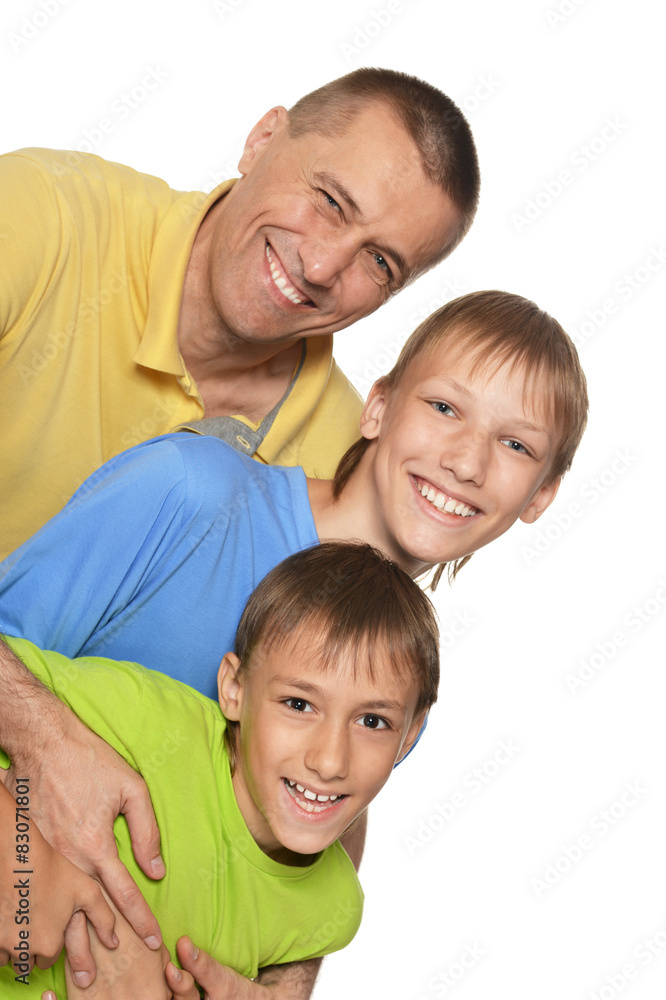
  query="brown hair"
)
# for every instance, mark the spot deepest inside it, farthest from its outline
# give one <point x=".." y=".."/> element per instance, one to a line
<point x="345" y="596"/>
<point x="495" y="329"/>
<point x="435" y="124"/>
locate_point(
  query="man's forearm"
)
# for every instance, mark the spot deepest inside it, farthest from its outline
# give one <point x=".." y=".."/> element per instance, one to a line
<point x="291" y="982"/>
<point x="28" y="708"/>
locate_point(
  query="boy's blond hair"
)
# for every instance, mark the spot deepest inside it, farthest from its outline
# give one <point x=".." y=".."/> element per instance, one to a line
<point x="495" y="329"/>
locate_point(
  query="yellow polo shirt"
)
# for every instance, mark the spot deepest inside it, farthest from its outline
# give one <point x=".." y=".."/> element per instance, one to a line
<point x="94" y="256"/>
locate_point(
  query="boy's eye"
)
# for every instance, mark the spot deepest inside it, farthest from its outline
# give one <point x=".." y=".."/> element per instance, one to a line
<point x="298" y="704"/>
<point x="514" y="445"/>
<point x="373" y="722"/>
<point x="443" y="407"/>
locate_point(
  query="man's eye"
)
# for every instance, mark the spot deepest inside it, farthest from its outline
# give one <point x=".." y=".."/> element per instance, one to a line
<point x="381" y="262"/>
<point x="331" y="201"/>
<point x="298" y="704"/>
<point x="373" y="722"/>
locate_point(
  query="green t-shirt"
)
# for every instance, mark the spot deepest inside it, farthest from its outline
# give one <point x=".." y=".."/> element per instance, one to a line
<point x="247" y="910"/>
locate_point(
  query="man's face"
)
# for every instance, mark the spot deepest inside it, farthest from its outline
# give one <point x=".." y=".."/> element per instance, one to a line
<point x="456" y="458"/>
<point x="315" y="746"/>
<point x="319" y="232"/>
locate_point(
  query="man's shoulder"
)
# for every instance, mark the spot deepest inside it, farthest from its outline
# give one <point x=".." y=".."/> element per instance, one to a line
<point x="69" y="173"/>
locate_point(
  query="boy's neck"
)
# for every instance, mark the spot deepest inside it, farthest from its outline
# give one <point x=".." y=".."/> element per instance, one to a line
<point x="353" y="516"/>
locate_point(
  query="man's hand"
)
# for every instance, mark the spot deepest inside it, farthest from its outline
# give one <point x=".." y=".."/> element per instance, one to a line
<point x="78" y="785"/>
<point x="49" y="890"/>
<point x="281" y="982"/>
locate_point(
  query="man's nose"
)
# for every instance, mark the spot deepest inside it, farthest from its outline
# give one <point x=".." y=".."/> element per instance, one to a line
<point x="324" y="260"/>
<point x="328" y="754"/>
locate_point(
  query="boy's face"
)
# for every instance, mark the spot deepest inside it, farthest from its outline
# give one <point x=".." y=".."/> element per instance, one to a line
<point x="456" y="458"/>
<point x="315" y="746"/>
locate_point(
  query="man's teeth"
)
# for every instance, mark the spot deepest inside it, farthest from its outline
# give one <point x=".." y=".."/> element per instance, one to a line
<point x="281" y="281"/>
<point x="312" y="797"/>
<point x="449" y="506"/>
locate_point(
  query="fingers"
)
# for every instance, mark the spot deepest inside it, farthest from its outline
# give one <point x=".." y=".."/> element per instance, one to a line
<point x="180" y="983"/>
<point x="125" y="893"/>
<point x="100" y="915"/>
<point x="138" y="810"/>
<point x="4" y="957"/>
<point x="77" y="943"/>
<point x="217" y="980"/>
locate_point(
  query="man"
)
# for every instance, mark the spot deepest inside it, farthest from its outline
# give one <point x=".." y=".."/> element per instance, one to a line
<point x="127" y="308"/>
<point x="130" y="309"/>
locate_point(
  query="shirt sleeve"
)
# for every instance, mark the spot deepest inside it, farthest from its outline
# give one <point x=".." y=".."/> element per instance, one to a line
<point x="86" y="564"/>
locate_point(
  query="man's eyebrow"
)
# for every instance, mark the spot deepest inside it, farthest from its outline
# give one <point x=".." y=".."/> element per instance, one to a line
<point x="331" y="181"/>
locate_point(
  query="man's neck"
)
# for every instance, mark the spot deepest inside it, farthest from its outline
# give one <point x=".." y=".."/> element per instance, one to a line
<point x="233" y="376"/>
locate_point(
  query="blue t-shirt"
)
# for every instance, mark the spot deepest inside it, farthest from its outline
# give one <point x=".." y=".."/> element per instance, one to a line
<point x="154" y="557"/>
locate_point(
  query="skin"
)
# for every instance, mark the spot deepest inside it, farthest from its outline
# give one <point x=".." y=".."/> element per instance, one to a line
<point x="331" y="732"/>
<point x="347" y="221"/>
<point x="476" y="439"/>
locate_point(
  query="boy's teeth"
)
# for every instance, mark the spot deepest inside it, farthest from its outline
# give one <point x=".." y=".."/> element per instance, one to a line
<point x="447" y="504"/>
<point x="312" y="796"/>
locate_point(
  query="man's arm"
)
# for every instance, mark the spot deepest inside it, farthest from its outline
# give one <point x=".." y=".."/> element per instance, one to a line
<point x="43" y="885"/>
<point x="78" y="785"/>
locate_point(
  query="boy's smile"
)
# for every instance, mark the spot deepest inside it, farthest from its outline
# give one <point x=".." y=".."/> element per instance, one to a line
<point x="315" y="744"/>
<point x="455" y="458"/>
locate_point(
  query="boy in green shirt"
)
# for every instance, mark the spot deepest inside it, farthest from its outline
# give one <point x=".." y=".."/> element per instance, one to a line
<point x="334" y="667"/>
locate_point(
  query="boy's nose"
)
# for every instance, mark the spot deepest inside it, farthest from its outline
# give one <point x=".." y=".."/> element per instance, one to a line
<point x="466" y="455"/>
<point x="328" y="755"/>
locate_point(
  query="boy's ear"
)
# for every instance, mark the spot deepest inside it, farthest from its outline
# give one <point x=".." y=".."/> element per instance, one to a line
<point x="374" y="410"/>
<point x="410" y="738"/>
<point x="229" y="688"/>
<point x="263" y="133"/>
<point x="541" y="500"/>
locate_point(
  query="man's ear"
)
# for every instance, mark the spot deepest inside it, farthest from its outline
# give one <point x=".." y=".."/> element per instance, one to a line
<point x="272" y="124"/>
<point x="541" y="500"/>
<point x="229" y="688"/>
<point x="410" y="738"/>
<point x="374" y="410"/>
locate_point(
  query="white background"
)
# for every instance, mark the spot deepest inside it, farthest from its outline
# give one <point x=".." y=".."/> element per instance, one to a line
<point x="575" y="88"/>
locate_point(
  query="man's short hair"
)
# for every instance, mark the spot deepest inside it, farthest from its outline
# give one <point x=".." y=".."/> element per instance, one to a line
<point x="346" y="597"/>
<point x="435" y="124"/>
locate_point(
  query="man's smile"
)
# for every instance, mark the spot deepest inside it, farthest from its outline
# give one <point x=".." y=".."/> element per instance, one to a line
<point x="281" y="282"/>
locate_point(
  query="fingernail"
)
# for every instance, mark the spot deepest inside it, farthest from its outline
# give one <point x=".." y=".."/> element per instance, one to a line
<point x="158" y="866"/>
<point x="82" y="979"/>
<point x="116" y="940"/>
<point x="194" y="951"/>
<point x="152" y="942"/>
<point x="176" y="973"/>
